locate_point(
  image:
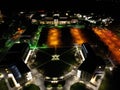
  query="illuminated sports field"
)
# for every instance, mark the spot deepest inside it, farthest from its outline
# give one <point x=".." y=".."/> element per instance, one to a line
<point x="57" y="54"/>
<point x="60" y="37"/>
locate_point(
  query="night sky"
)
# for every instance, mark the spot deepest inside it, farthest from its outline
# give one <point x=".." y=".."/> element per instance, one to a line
<point x="104" y="6"/>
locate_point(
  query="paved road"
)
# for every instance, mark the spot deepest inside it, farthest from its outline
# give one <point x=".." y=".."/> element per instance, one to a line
<point x="38" y="79"/>
<point x="111" y="40"/>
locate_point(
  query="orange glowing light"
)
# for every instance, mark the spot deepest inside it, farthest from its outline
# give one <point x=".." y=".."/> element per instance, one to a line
<point x="111" y="40"/>
<point x="53" y="39"/>
<point x="77" y="35"/>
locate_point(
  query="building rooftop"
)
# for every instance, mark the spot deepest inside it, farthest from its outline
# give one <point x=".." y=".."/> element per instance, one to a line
<point x="11" y="59"/>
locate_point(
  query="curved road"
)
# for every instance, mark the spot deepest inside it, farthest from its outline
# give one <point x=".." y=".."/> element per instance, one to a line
<point x="111" y="40"/>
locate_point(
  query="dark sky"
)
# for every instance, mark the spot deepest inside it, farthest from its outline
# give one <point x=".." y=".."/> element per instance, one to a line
<point x="111" y="6"/>
<point x="44" y="3"/>
<point x="50" y="3"/>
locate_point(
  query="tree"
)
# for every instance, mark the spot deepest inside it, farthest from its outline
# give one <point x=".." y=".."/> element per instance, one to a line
<point x="31" y="87"/>
<point x="78" y="86"/>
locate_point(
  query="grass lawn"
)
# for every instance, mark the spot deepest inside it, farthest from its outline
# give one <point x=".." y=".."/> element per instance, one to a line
<point x="3" y="85"/>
